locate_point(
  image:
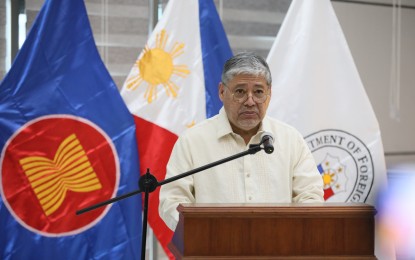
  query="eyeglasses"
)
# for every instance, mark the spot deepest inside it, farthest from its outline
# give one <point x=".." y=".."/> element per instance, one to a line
<point x="240" y="95"/>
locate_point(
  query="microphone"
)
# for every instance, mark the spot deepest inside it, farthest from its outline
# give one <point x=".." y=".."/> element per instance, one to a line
<point x="267" y="140"/>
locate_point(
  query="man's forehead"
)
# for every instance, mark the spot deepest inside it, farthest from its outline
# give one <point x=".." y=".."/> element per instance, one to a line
<point x="247" y="80"/>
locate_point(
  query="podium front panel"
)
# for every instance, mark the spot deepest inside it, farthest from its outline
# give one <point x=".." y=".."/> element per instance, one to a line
<point x="274" y="231"/>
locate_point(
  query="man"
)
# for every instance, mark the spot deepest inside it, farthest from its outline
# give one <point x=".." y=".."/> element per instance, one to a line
<point x="287" y="175"/>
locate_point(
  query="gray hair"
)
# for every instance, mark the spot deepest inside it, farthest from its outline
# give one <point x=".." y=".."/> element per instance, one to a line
<point x="247" y="63"/>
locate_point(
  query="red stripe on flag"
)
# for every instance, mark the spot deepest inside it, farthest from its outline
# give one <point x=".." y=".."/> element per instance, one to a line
<point x="154" y="148"/>
<point x="328" y="193"/>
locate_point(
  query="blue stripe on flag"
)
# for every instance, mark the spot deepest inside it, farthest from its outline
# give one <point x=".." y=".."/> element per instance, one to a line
<point x="320" y="168"/>
<point x="59" y="71"/>
<point x="215" y="52"/>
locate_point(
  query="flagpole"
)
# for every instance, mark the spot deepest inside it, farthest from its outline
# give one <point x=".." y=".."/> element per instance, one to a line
<point x="152" y="15"/>
<point x="148" y="183"/>
<point x="153" y="19"/>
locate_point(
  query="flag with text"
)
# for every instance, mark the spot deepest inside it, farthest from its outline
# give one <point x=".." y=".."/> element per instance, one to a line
<point x="318" y="90"/>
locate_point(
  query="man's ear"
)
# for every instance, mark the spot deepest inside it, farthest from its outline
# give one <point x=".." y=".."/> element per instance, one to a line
<point x="221" y="91"/>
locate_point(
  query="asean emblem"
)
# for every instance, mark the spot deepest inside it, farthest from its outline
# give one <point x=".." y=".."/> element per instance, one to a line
<point x="53" y="166"/>
<point x="345" y="164"/>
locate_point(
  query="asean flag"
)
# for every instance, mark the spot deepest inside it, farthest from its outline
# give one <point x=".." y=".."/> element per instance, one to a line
<point x="174" y="85"/>
<point x="67" y="142"/>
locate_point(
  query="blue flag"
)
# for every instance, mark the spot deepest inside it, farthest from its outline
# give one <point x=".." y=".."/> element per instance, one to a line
<point x="67" y="142"/>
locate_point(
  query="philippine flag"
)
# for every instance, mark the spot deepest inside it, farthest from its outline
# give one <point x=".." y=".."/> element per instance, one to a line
<point x="173" y="85"/>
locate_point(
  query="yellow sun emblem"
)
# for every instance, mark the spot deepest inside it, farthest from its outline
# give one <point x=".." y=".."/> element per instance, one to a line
<point x="328" y="178"/>
<point x="156" y="68"/>
<point x="191" y="124"/>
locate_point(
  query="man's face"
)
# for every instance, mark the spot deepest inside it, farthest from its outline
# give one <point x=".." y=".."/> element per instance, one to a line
<point x="245" y="115"/>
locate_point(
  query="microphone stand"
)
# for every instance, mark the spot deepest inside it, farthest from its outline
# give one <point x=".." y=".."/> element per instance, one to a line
<point x="148" y="183"/>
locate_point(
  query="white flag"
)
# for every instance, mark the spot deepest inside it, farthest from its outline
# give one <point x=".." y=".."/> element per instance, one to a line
<point x="317" y="89"/>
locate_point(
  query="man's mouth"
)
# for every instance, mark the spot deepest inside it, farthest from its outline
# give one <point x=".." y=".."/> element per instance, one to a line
<point x="248" y="113"/>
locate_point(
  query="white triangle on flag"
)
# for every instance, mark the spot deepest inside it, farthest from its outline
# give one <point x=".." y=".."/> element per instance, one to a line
<point x="165" y="87"/>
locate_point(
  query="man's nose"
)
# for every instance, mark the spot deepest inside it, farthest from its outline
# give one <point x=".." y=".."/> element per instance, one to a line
<point x="250" y="101"/>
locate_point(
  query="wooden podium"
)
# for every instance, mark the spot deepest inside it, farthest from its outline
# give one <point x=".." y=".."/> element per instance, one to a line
<point x="274" y="231"/>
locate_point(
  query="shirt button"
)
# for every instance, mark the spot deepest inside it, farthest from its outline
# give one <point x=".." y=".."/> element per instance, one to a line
<point x="250" y="198"/>
<point x="248" y="175"/>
